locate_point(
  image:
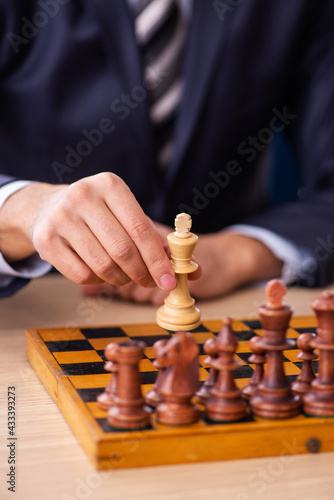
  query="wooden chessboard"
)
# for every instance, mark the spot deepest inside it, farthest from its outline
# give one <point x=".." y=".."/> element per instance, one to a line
<point x="70" y="363"/>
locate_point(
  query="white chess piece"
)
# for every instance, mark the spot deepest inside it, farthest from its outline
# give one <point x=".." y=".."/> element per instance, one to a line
<point x="179" y="311"/>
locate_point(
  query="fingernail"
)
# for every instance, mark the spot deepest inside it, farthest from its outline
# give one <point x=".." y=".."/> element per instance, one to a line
<point x="168" y="282"/>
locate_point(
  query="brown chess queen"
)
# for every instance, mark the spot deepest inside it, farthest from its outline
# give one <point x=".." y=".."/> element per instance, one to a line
<point x="274" y="398"/>
<point x="319" y="401"/>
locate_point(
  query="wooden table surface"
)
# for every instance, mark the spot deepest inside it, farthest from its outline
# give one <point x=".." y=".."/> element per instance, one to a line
<point x="51" y="464"/>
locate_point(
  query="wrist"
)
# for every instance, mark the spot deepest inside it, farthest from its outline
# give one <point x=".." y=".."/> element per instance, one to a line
<point x="17" y="217"/>
<point x="258" y="261"/>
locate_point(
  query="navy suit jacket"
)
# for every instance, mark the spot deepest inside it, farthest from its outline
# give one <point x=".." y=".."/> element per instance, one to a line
<point x="73" y="103"/>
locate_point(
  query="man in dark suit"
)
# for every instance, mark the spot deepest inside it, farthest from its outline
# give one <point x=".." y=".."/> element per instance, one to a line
<point x="77" y="99"/>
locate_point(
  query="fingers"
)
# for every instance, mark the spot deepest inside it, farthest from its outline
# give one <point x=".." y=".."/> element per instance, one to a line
<point x="116" y="250"/>
<point x="117" y="221"/>
<point x="90" y="250"/>
<point x="196" y="274"/>
<point x="104" y="234"/>
<point x="68" y="263"/>
<point x="141" y="232"/>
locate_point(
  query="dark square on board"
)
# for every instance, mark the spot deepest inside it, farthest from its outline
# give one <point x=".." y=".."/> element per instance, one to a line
<point x="68" y="345"/>
<point x="96" y="368"/>
<point x="103" y="332"/>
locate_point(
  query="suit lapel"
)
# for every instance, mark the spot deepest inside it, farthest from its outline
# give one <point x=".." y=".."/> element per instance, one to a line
<point x="119" y="41"/>
<point x="206" y="34"/>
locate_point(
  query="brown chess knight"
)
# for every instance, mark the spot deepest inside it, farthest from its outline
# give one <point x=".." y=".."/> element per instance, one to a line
<point x="179" y="360"/>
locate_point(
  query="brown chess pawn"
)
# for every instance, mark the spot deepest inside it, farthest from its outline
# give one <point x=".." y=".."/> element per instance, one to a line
<point x="225" y="403"/>
<point x="153" y="397"/>
<point x="179" y="358"/>
<point x="302" y="384"/>
<point x="319" y="401"/>
<point x="274" y="398"/>
<point x="204" y="392"/>
<point x="128" y="410"/>
<point x="258" y="358"/>
<point x="106" y="399"/>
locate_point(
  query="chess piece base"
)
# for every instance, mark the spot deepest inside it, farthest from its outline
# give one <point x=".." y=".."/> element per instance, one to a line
<point x="276" y="409"/>
<point x="152" y="398"/>
<point x="319" y="403"/>
<point x="203" y="394"/>
<point x="177" y="414"/>
<point x="249" y="391"/>
<point x="226" y="410"/>
<point x="178" y="319"/>
<point x="105" y="400"/>
<point x="299" y="387"/>
<point x="125" y="418"/>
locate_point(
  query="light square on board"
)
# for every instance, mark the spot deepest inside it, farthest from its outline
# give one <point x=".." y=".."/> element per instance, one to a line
<point x="292" y="355"/>
<point x="303" y="322"/>
<point x="240" y="326"/>
<point x="213" y="325"/>
<point x="100" y="344"/>
<point x="291" y="369"/>
<point x="203" y="374"/>
<point x="90" y="381"/>
<point x="202" y="337"/>
<point x="146" y="365"/>
<point x="96" y="411"/>
<point x="77" y="357"/>
<point x="61" y="334"/>
<point x="201" y="358"/>
<point x="243" y="346"/>
<point x="146" y="330"/>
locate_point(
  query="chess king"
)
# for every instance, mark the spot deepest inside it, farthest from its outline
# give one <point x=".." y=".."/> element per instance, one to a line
<point x="179" y="311"/>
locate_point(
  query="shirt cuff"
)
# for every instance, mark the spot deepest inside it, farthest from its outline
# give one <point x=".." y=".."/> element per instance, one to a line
<point x="33" y="266"/>
<point x="8" y="189"/>
<point x="294" y="257"/>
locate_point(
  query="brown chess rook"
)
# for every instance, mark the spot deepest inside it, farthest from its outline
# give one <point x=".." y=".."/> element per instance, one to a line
<point x="302" y="384"/>
<point x="274" y="398"/>
<point x="128" y="410"/>
<point x="319" y="401"/>
<point x="204" y="392"/>
<point x="225" y="403"/>
<point x="258" y="358"/>
<point x="153" y="397"/>
<point x="179" y="358"/>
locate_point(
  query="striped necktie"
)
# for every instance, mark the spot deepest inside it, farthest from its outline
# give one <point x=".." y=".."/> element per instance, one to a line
<point x="160" y="32"/>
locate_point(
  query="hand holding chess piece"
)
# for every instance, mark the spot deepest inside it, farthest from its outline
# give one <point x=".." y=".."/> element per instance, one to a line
<point x="179" y="311"/>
